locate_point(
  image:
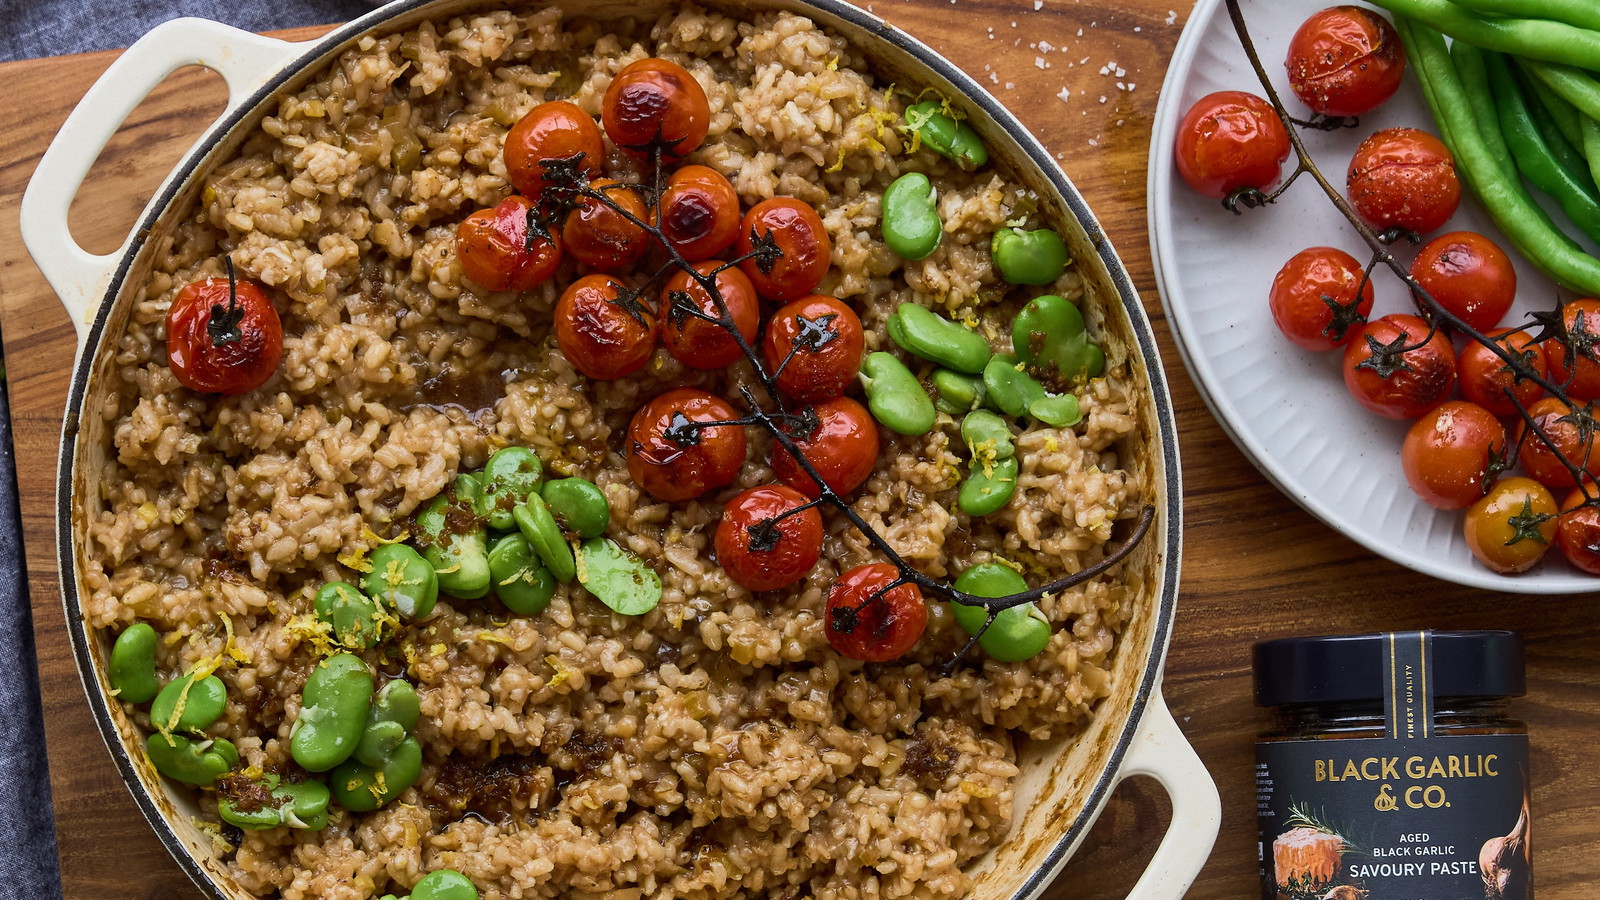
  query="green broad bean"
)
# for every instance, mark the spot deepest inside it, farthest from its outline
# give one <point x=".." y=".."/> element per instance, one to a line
<point x="990" y="579"/>
<point x="509" y="476"/>
<point x="1029" y="257"/>
<point x="394" y="713"/>
<point x="958" y="392"/>
<point x="923" y="332"/>
<point x="195" y="761"/>
<point x="544" y="536"/>
<point x="895" y="396"/>
<point x="457" y="550"/>
<point x="353" y="615"/>
<point x="1060" y="410"/>
<point x="1018" y="633"/>
<point x="911" y="224"/>
<point x="619" y="579"/>
<point x="402" y="581"/>
<point x="444" y="884"/>
<point x="956" y="141"/>
<point x="1009" y="388"/>
<point x="302" y="804"/>
<point x="188" y="703"/>
<point x="133" y="664"/>
<point x="987" y="436"/>
<point x="1050" y="331"/>
<point x="988" y="487"/>
<point x="521" y="580"/>
<point x="333" y="713"/>
<point x="359" y="787"/>
<point x="578" y="505"/>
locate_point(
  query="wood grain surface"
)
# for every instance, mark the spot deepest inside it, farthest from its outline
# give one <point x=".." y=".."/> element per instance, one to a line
<point x="1255" y="565"/>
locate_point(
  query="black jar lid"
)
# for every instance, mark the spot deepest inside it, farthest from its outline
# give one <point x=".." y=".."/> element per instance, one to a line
<point x="1349" y="667"/>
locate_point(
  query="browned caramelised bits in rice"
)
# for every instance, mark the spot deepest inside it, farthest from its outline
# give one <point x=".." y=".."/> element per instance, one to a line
<point x="714" y="747"/>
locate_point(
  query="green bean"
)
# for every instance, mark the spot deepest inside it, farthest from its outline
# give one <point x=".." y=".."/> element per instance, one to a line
<point x="333" y="712"/>
<point x="521" y="581"/>
<point x="1029" y="257"/>
<point x="1591" y="144"/>
<point x="911" y="224"/>
<point x="1468" y="61"/>
<point x="359" y="787"/>
<point x="402" y="581"/>
<point x="1578" y="13"/>
<point x="895" y="396"/>
<point x="302" y="804"/>
<point x="949" y="138"/>
<point x="188" y="703"/>
<point x="1573" y="85"/>
<point x="1050" y="331"/>
<point x="196" y="761"/>
<point x="988" y="487"/>
<point x="579" y="506"/>
<point x="990" y="579"/>
<point x="987" y="435"/>
<point x="544" y="535"/>
<point x="618" y="579"/>
<point x="133" y="664"/>
<point x="1557" y="111"/>
<point x="394" y="713"/>
<point x="444" y="884"/>
<point x="1534" y="157"/>
<point x="353" y="616"/>
<point x="1060" y="410"/>
<point x="923" y="332"/>
<point x="1009" y="388"/>
<point x="958" y="392"/>
<point x="454" y="542"/>
<point x="509" y="476"/>
<point x="1534" y="38"/>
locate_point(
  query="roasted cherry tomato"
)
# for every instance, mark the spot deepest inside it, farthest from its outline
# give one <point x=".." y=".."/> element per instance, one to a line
<point x="557" y="130"/>
<point x="1578" y="533"/>
<point x="839" y="439"/>
<point x="1399" y="385"/>
<point x="655" y="104"/>
<point x="222" y="344"/>
<point x="699" y="212"/>
<point x="871" y="624"/>
<point x="1469" y="275"/>
<point x="692" y="340"/>
<point x="814" y="344"/>
<point x="603" y="336"/>
<point x="1448" y="453"/>
<point x="1231" y="140"/>
<point x="1313" y="298"/>
<point x="1486" y="378"/>
<point x="803" y="248"/>
<point x="1583" y="331"/>
<point x="502" y="250"/>
<point x="1573" y="433"/>
<point x="1345" y="61"/>
<point x="602" y="238"/>
<point x="675" y="457"/>
<point x="1511" y="527"/>
<point x="1403" y="178"/>
<point x="763" y="544"/>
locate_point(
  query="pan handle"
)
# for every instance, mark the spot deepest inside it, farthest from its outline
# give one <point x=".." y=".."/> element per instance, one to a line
<point x="80" y="278"/>
<point x="1163" y="753"/>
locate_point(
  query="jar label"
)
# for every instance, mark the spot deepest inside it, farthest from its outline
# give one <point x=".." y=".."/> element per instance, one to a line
<point x="1394" y="819"/>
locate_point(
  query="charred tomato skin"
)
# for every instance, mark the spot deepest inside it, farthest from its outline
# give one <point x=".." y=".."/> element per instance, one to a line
<point x="1558" y="422"/>
<point x="821" y="339"/>
<point x="1578" y="533"/>
<point x="1449" y="451"/>
<point x="843" y="448"/>
<point x="602" y="238"/>
<point x="1582" y="318"/>
<point x="496" y="251"/>
<point x="767" y="561"/>
<point x="874" y="630"/>
<point x="1469" y="275"/>
<point x="1345" y="61"/>
<point x="233" y="367"/>
<point x="1230" y="140"/>
<point x="1428" y="374"/>
<point x="1403" y="178"/>
<point x="1506" y="529"/>
<point x="554" y="130"/>
<point x="1486" y="379"/>
<point x="700" y="344"/>
<point x="601" y="336"/>
<point x="799" y="234"/>
<point x="674" y="463"/>
<point x="655" y="103"/>
<point x="699" y="212"/>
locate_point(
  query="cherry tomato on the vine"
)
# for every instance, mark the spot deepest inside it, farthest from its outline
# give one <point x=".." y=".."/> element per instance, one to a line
<point x="1231" y="140"/>
<point x="502" y="250"/>
<point x="673" y="455"/>
<point x="1578" y="533"/>
<point x="762" y="543"/>
<point x="692" y="340"/>
<point x="1448" y="453"/>
<point x="1403" y="178"/>
<point x="803" y="248"/>
<point x="654" y="103"/>
<point x="1573" y="433"/>
<point x="1582" y="318"/>
<point x="1314" y="301"/>
<point x="600" y="334"/>
<point x="865" y="622"/>
<point x="557" y="130"/>
<point x="1510" y="528"/>
<point x="599" y="236"/>
<point x="222" y="344"/>
<point x="699" y="212"/>
<point x="1345" y="61"/>
<point x="814" y="344"/>
<point x="1469" y="275"/>
<point x="1396" y="384"/>
<point x="842" y="447"/>
<point x="1486" y="378"/>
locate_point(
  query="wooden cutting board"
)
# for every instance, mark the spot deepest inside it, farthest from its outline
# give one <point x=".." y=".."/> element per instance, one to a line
<point x="1255" y="565"/>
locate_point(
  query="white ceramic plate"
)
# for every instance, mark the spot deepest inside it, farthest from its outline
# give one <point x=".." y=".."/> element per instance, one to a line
<point x="1287" y="408"/>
